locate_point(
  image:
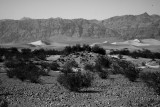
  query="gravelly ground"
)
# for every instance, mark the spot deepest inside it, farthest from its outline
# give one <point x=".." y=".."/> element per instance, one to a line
<point x="117" y="91"/>
<point x="114" y="92"/>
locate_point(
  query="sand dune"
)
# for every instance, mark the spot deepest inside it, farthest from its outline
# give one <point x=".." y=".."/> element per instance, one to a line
<point x="37" y="43"/>
<point x="47" y="44"/>
<point x="134" y="42"/>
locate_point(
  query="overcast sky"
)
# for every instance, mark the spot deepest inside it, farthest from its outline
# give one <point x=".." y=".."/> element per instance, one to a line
<point x="70" y="9"/>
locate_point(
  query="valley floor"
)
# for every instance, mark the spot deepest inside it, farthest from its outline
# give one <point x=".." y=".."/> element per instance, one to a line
<point x="117" y="91"/>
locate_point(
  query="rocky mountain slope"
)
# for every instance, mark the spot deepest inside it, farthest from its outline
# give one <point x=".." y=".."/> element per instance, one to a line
<point x="130" y="26"/>
<point x="126" y="27"/>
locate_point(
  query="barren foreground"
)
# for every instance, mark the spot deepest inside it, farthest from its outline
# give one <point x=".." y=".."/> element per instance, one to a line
<point x="113" y="92"/>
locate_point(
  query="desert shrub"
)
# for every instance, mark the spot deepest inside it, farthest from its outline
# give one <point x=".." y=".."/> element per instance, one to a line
<point x="50" y="66"/>
<point x="26" y="54"/>
<point x="115" y="66"/>
<point x="40" y="54"/>
<point x="14" y="51"/>
<point x="101" y="67"/>
<point x="52" y="52"/>
<point x="143" y="64"/>
<point x="103" y="61"/>
<point x="132" y="73"/>
<point x="75" y="81"/>
<point x="67" y="50"/>
<point x="152" y="79"/>
<point x="120" y="56"/>
<point x="138" y="53"/>
<point x="3" y="103"/>
<point x="125" y="68"/>
<point x="12" y="63"/>
<point x="89" y="67"/>
<point x="25" y="71"/>
<point x="86" y="48"/>
<point x="99" y="50"/>
<point x="54" y="66"/>
<point x="103" y="74"/>
<point x="124" y="51"/>
<point x="77" y="48"/>
<point x="1" y="60"/>
<point x="67" y="67"/>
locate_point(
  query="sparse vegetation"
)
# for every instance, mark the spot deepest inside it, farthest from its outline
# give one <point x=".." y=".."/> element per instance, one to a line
<point x="89" y="67"/>
<point x="99" y="50"/>
<point x="138" y="53"/>
<point x="3" y="103"/>
<point x="77" y="66"/>
<point x="75" y="81"/>
<point x="67" y="67"/>
<point x="54" y="66"/>
<point x="78" y="48"/>
<point x="24" y="71"/>
<point x="125" y="68"/>
<point x="101" y="67"/>
<point x="28" y="65"/>
<point x="152" y="79"/>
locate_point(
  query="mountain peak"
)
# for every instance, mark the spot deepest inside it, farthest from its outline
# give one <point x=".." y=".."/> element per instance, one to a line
<point x="25" y="18"/>
<point x="123" y="27"/>
<point x="145" y="14"/>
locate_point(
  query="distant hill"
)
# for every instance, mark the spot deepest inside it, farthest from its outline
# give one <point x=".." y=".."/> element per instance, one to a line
<point x="126" y="27"/>
<point x="131" y="27"/>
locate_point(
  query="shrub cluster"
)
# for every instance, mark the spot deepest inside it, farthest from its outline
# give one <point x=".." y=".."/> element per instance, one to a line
<point x="138" y="53"/>
<point x="24" y="71"/>
<point x="79" y="48"/>
<point x="3" y="103"/>
<point x="125" y="68"/>
<point x="99" y="50"/>
<point x="27" y="54"/>
<point x="49" y="66"/>
<point x="101" y="67"/>
<point x="75" y="81"/>
<point x="68" y="66"/>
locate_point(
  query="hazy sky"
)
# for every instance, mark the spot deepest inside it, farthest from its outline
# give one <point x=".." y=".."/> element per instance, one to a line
<point x="70" y="9"/>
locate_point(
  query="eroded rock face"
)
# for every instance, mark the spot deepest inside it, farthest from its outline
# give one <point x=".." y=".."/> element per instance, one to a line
<point x="139" y="26"/>
<point x="39" y="29"/>
<point x="126" y="27"/>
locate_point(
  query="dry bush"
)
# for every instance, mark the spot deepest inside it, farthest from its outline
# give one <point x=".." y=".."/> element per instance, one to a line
<point x="76" y="81"/>
<point x="24" y="71"/>
<point x="67" y="67"/>
<point x="3" y="103"/>
<point x="101" y="67"/>
<point x="125" y="68"/>
<point x="89" y="67"/>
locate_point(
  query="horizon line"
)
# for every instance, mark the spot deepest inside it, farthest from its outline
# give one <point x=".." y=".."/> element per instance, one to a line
<point x="25" y="17"/>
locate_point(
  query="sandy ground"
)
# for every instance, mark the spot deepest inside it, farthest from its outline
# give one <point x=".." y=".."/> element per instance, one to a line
<point x="60" y="42"/>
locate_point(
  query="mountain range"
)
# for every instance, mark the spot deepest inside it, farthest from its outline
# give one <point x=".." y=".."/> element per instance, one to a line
<point x="125" y="27"/>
